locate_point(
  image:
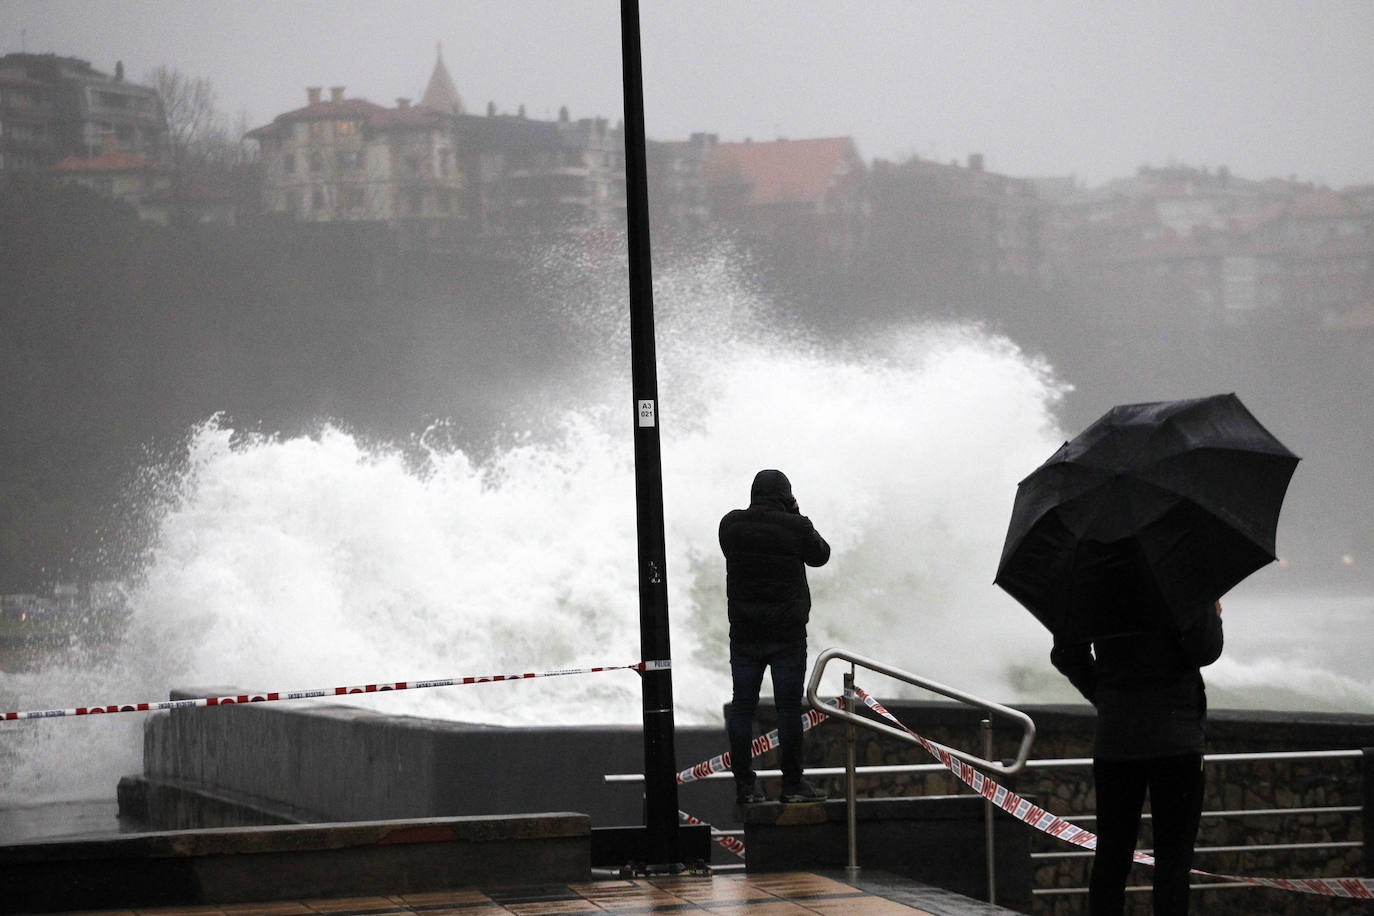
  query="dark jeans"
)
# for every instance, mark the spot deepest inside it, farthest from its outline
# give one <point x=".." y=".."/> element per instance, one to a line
<point x="1175" y="785"/>
<point x="787" y="661"/>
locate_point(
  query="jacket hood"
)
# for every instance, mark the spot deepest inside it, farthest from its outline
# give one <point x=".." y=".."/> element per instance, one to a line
<point x="771" y="488"/>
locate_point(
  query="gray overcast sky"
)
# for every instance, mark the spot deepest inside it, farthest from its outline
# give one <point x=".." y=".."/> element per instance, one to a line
<point x="1070" y="87"/>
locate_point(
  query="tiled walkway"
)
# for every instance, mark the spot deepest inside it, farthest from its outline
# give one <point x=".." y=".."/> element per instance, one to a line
<point x="783" y="894"/>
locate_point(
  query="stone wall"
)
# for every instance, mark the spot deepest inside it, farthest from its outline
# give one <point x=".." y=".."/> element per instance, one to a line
<point x="1065" y="731"/>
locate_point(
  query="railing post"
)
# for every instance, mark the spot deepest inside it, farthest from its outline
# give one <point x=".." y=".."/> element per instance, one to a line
<point x="988" y="818"/>
<point x="851" y="870"/>
<point x="1367" y="806"/>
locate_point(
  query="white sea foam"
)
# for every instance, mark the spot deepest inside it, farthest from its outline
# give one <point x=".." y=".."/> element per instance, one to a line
<point x="323" y="560"/>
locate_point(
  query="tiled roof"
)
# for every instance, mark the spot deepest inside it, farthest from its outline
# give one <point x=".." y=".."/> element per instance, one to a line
<point x="416" y="116"/>
<point x="783" y="170"/>
<point x="482" y="132"/>
<point x="352" y="109"/>
<point x="320" y="111"/>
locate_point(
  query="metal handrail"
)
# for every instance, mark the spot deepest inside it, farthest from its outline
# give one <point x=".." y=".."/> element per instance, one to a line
<point x="1058" y="854"/>
<point x="1203" y="850"/>
<point x="1028" y="726"/>
<point x="1043" y="764"/>
<point x="1246" y="757"/>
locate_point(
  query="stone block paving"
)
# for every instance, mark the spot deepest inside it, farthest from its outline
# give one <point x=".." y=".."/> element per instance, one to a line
<point x="778" y="894"/>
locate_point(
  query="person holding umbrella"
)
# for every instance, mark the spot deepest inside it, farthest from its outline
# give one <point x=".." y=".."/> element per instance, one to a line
<point x="1122" y="544"/>
<point x="1151" y="708"/>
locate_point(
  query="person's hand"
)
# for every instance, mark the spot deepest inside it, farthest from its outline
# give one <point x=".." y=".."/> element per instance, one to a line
<point x="1218" y="608"/>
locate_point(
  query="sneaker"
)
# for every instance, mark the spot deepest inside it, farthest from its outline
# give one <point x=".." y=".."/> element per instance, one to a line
<point x="752" y="794"/>
<point x="802" y="792"/>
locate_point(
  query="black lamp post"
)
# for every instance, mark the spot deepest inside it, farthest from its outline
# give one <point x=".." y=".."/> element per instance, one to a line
<point x="662" y="851"/>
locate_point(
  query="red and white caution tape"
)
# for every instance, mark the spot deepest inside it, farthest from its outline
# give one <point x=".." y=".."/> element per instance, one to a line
<point x="265" y="697"/>
<point x="1055" y="826"/>
<point x="760" y="745"/>
<point x="732" y="843"/>
<point x="721" y="764"/>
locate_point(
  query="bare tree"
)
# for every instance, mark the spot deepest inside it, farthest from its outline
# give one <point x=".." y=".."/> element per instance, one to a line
<point x="203" y="151"/>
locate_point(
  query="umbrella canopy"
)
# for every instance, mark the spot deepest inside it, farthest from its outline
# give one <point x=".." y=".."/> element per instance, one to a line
<point x="1154" y="509"/>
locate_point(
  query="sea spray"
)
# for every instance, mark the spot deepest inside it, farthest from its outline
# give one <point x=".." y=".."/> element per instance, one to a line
<point x="324" y="559"/>
<point x="318" y="560"/>
<point x="285" y="562"/>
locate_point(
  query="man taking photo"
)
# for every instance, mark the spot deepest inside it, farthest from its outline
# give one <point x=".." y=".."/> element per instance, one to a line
<point x="767" y="548"/>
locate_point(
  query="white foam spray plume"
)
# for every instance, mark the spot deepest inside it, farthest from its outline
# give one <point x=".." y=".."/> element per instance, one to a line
<point x="316" y="561"/>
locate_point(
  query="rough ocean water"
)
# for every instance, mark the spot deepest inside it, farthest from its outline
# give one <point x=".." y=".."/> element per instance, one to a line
<point x="290" y="562"/>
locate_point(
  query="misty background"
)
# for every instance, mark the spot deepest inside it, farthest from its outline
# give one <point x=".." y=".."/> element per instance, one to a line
<point x="1048" y="87"/>
<point x="306" y="454"/>
<point x="120" y="338"/>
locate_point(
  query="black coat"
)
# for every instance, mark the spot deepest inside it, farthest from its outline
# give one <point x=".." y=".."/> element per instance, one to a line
<point x="767" y="548"/>
<point x="1147" y="688"/>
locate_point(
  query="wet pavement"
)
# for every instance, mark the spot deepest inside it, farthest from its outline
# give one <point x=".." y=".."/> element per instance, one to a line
<point x="774" y="894"/>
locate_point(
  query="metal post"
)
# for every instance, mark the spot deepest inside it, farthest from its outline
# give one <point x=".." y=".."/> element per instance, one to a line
<point x="662" y="849"/>
<point x="1367" y="768"/>
<point x="988" y="818"/>
<point x="851" y="871"/>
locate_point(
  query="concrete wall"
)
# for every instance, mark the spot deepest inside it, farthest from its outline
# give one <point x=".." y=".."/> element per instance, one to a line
<point x="290" y="762"/>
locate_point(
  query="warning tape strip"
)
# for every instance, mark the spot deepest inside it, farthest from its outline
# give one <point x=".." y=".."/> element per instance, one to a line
<point x="721" y="764"/>
<point x="1055" y="826"/>
<point x="732" y="843"/>
<point x="269" y="696"/>
<point x="760" y="745"/>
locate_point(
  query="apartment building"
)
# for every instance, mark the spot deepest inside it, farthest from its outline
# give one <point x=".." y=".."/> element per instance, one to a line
<point x="340" y="159"/>
<point x="1213" y="248"/>
<point x="436" y="175"/>
<point x="27" y="133"/>
<point x="129" y="177"/>
<point x="678" y="199"/>
<point x="809" y="196"/>
<point x="572" y="183"/>
<point x="952" y="219"/>
<point x="62" y="106"/>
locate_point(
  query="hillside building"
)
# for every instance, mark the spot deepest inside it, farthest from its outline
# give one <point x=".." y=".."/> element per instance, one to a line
<point x="54" y="107"/>
<point x="128" y="177"/>
<point x="342" y="160"/>
<point x="946" y="220"/>
<point x="678" y="198"/>
<point x="28" y="136"/>
<point x="807" y="196"/>
<point x="436" y="175"/>
<point x="1212" y="248"/>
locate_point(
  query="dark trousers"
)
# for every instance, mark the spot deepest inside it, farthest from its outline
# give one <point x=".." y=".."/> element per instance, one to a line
<point x="1175" y="786"/>
<point x="787" y="661"/>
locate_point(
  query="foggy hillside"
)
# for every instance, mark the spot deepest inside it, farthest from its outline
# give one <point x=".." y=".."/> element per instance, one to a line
<point x="121" y="337"/>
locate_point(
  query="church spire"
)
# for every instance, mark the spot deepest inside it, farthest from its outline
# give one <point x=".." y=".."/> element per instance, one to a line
<point x="441" y="93"/>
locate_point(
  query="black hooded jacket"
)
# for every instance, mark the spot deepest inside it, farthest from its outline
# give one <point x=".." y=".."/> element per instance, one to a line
<point x="767" y="548"/>
<point x="1149" y="694"/>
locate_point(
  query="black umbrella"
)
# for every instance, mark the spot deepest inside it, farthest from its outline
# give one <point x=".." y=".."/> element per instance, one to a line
<point x="1161" y="505"/>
